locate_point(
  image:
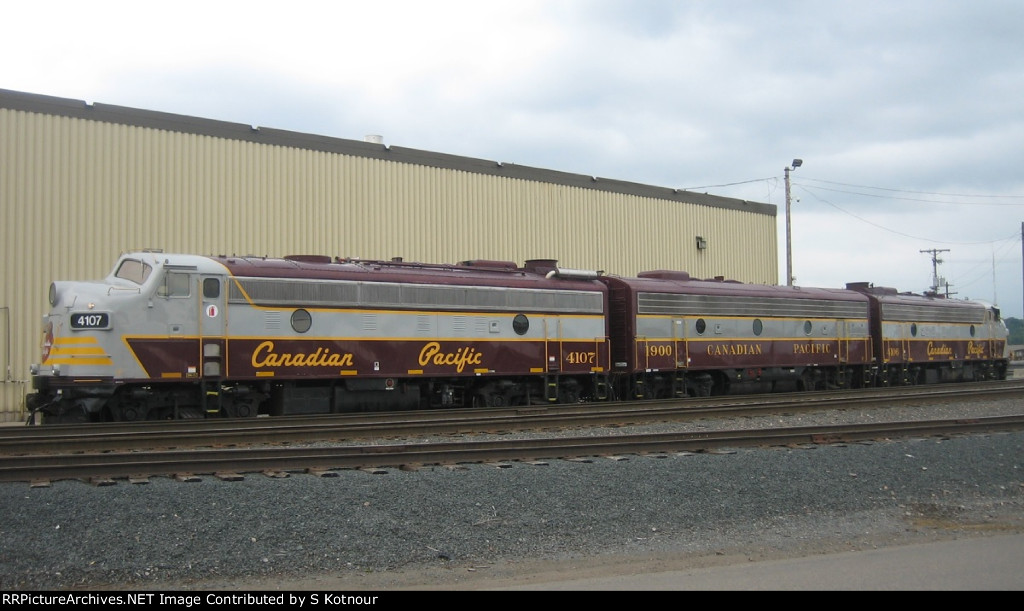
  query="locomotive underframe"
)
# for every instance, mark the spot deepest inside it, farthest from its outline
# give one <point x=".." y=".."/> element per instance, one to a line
<point x="911" y="373"/>
<point x="148" y="400"/>
<point x="714" y="382"/>
<point x="731" y="381"/>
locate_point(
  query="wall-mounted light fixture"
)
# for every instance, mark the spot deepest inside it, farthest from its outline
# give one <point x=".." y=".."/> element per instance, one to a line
<point x="701" y="243"/>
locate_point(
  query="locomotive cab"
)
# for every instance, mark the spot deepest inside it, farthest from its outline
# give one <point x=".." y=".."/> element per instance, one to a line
<point x="146" y="339"/>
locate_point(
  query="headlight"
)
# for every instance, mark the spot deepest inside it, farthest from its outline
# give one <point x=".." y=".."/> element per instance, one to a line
<point x="53" y="293"/>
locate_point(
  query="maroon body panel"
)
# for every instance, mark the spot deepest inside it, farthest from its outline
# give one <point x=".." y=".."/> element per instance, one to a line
<point x="900" y="319"/>
<point x="783" y="343"/>
<point x="534" y="274"/>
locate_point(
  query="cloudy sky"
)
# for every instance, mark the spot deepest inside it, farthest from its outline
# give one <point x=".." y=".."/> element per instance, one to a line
<point x="908" y="115"/>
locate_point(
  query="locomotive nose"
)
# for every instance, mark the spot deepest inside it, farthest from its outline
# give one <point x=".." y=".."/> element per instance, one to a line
<point x="62" y="294"/>
<point x="65" y="296"/>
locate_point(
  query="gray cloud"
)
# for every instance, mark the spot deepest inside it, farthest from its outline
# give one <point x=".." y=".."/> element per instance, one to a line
<point x="907" y="102"/>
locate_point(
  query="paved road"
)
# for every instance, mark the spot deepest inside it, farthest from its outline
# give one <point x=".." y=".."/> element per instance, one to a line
<point x="987" y="563"/>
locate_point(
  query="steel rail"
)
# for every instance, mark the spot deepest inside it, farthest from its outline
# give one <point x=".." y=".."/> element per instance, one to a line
<point x="106" y="466"/>
<point x="205" y="433"/>
<point x="862" y="394"/>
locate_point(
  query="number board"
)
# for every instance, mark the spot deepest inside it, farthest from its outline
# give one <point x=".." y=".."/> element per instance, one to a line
<point x="90" y="320"/>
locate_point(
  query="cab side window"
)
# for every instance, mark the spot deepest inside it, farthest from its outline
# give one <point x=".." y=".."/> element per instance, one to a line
<point x="177" y="284"/>
<point x="211" y="288"/>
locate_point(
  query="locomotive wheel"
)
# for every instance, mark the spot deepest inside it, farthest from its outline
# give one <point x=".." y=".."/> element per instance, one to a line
<point x="131" y="413"/>
<point x="569" y="394"/>
<point x="73" y="415"/>
<point x="241" y="409"/>
<point x="485" y="399"/>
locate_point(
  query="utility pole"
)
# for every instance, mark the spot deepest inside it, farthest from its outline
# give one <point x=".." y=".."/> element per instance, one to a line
<point x="789" y="234"/>
<point x="937" y="282"/>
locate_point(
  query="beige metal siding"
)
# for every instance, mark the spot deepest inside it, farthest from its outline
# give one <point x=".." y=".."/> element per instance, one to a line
<point x="75" y="192"/>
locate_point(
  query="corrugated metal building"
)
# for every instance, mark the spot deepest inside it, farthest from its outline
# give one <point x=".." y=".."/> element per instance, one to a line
<point x="81" y="183"/>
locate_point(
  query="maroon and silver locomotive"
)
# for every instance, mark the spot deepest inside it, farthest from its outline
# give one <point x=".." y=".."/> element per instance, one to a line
<point x="677" y="336"/>
<point x="185" y="336"/>
<point x="927" y="339"/>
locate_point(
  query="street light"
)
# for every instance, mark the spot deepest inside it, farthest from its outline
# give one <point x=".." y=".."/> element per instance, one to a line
<point x="789" y="235"/>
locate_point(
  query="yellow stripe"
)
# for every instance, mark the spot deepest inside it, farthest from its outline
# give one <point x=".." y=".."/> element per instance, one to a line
<point x="410" y="339"/>
<point x="754" y="339"/>
<point x="75" y="340"/>
<point x="422" y="312"/>
<point x="77" y="351"/>
<point x="80" y="361"/>
<point x="713" y="318"/>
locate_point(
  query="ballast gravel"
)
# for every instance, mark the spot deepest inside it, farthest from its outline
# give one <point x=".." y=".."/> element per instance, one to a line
<point x="442" y="527"/>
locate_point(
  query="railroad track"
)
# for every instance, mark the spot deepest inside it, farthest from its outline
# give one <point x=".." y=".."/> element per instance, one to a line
<point x="106" y="437"/>
<point x="103" y="453"/>
<point x="233" y="463"/>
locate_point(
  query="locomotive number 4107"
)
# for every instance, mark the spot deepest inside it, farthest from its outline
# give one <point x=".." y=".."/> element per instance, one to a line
<point x="581" y="358"/>
<point x="91" y="320"/>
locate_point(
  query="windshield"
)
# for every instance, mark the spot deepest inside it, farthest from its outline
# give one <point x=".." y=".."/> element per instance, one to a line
<point x="133" y="270"/>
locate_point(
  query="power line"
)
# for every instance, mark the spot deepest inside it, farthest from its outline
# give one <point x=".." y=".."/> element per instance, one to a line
<point x="909" y="191"/>
<point x="728" y="184"/>
<point x="900" y="233"/>
<point x="1000" y="255"/>
<point x="919" y="199"/>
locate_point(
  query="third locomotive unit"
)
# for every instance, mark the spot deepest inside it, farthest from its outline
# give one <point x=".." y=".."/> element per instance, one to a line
<point x="186" y="336"/>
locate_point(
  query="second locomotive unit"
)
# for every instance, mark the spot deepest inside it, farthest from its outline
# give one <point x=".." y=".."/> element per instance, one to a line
<point x="185" y="336"/>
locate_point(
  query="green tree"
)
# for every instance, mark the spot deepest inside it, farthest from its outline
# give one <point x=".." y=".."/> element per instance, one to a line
<point x="1016" y="328"/>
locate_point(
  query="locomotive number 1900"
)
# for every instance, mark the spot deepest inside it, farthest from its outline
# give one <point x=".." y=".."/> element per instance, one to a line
<point x="659" y="350"/>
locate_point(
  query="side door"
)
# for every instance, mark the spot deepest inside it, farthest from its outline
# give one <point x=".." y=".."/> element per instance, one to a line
<point x="843" y="340"/>
<point x="212" y="325"/>
<point x="679" y="341"/>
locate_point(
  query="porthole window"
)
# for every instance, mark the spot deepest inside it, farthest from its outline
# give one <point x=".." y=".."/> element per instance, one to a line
<point x="301" y="321"/>
<point x="520" y="324"/>
<point x="973" y="330"/>
<point x="701" y="326"/>
<point x="758" y="326"/>
<point x="913" y="329"/>
<point x="807" y="327"/>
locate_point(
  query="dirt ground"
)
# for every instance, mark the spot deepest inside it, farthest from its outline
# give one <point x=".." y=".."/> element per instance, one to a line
<point x="507" y="574"/>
